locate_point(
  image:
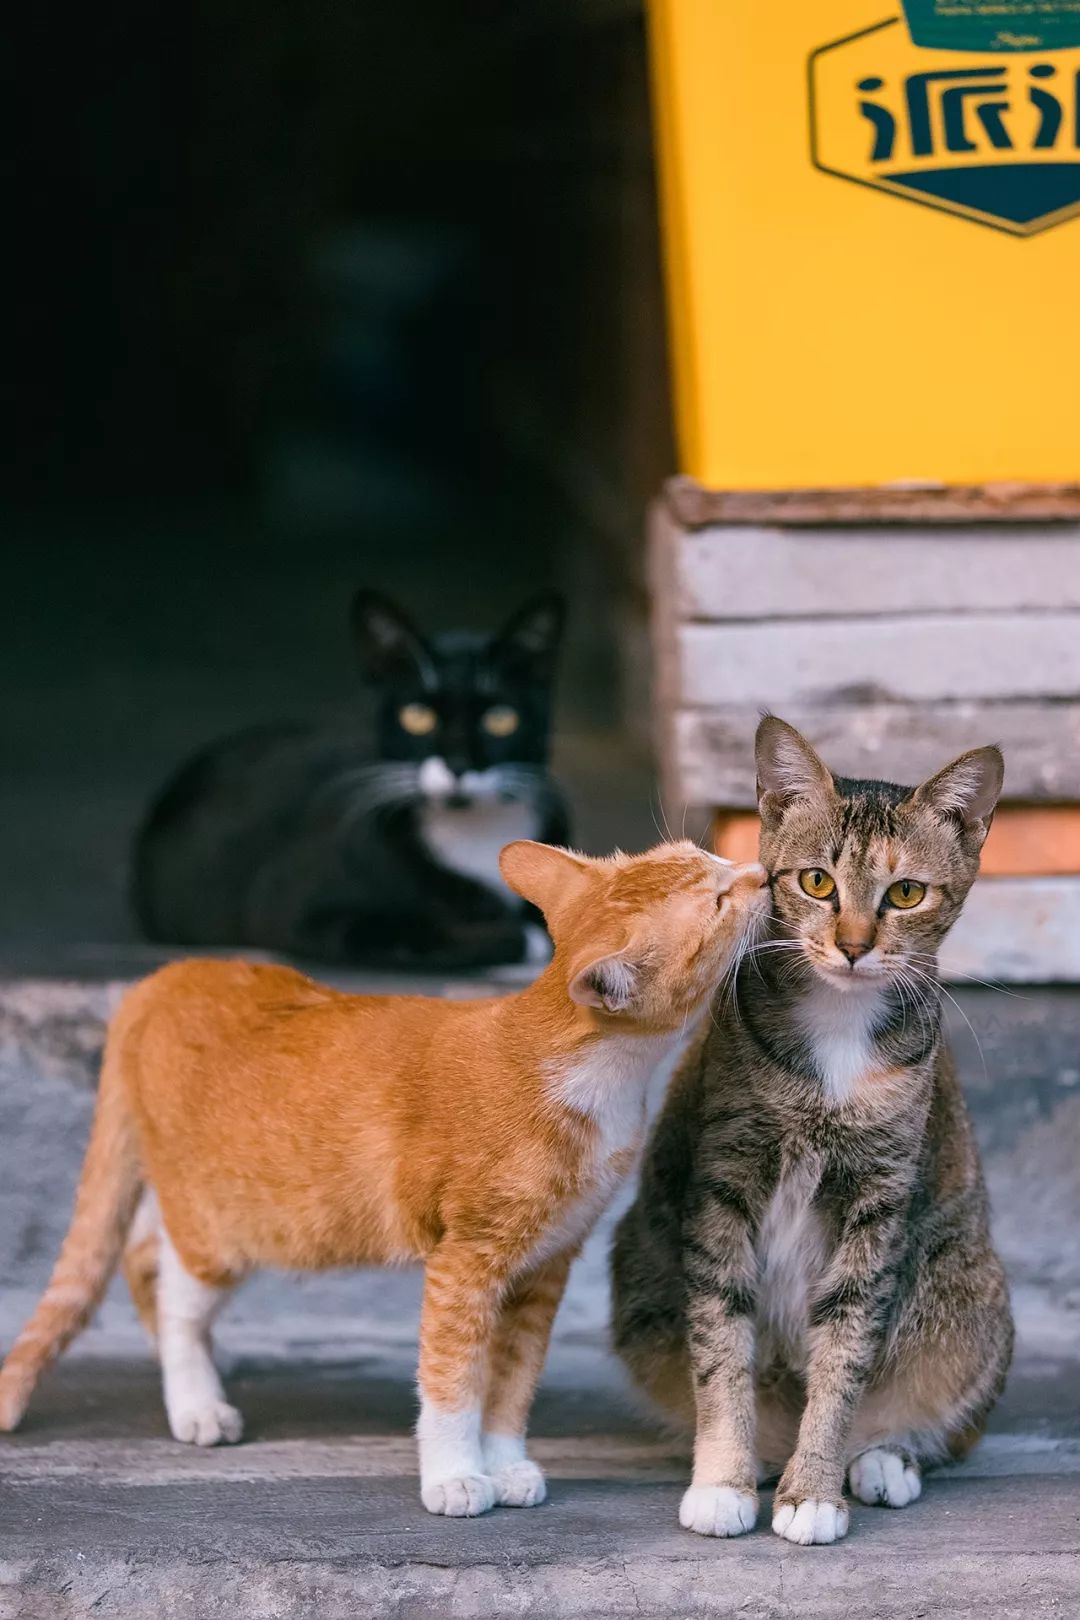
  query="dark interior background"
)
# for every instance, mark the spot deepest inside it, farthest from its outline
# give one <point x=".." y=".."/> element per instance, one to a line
<point x="313" y="295"/>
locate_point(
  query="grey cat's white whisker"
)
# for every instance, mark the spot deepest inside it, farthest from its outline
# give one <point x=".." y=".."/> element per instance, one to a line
<point x="953" y="1001"/>
<point x="920" y="1002"/>
<point x="970" y="978"/>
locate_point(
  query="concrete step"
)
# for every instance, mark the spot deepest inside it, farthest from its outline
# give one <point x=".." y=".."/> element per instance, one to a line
<point x="318" y="1513"/>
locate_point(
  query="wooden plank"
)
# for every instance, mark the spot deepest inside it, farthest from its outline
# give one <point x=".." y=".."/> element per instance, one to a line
<point x="710" y="752"/>
<point x="696" y="507"/>
<point x="915" y="659"/>
<point x="1033" y="841"/>
<point x="1024" y="841"/>
<point x="728" y="572"/>
<point x="662" y="548"/>
<point x="1017" y="931"/>
<point x="735" y="834"/>
<point x="662" y="539"/>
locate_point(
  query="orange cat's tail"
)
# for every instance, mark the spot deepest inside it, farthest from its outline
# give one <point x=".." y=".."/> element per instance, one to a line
<point x="105" y="1204"/>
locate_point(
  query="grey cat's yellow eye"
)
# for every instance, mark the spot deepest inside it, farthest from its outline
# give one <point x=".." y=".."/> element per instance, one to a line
<point x="905" y="893"/>
<point x="418" y="719"/>
<point x="816" y="883"/>
<point x="501" y="721"/>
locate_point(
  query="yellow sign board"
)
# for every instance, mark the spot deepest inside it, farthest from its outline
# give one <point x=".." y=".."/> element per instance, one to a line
<point x="872" y="220"/>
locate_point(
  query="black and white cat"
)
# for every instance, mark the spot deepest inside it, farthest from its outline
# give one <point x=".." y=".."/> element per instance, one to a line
<point x="375" y="845"/>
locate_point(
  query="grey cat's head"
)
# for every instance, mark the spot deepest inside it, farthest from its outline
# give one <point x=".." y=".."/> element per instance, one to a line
<point x="868" y="877"/>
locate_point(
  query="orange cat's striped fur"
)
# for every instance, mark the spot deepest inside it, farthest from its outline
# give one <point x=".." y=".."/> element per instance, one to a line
<point x="280" y="1123"/>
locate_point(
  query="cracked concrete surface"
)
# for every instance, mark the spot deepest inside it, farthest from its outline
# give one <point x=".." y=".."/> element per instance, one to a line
<point x="317" y="1513"/>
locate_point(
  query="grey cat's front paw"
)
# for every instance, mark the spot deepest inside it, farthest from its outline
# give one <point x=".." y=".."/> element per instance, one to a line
<point x="885" y="1477"/>
<point x="718" y="1510"/>
<point x="810" y="1523"/>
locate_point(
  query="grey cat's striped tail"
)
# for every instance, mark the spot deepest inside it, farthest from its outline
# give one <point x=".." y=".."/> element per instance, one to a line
<point x="108" y="1193"/>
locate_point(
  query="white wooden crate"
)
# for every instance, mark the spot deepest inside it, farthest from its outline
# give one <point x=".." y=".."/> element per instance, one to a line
<point x="1017" y="930"/>
<point x="893" y="649"/>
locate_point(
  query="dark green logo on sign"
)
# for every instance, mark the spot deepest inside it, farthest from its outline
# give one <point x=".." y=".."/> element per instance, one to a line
<point x="988" y="129"/>
<point x="994" y="25"/>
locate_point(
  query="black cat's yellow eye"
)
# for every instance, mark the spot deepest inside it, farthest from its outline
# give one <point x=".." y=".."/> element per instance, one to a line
<point x="816" y="883"/>
<point x="905" y="893"/>
<point x="418" y="719"/>
<point x="501" y="721"/>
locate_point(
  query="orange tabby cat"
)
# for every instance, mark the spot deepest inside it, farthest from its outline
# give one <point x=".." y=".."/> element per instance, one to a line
<point x="280" y="1123"/>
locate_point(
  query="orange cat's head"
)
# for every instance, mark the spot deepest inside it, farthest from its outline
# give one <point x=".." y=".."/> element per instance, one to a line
<point x="642" y="938"/>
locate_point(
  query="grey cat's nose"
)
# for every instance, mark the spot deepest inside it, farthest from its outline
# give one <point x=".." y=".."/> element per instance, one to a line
<point x="854" y="948"/>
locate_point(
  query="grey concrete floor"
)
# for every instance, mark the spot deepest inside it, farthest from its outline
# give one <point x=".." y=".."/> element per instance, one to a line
<point x="317" y="1512"/>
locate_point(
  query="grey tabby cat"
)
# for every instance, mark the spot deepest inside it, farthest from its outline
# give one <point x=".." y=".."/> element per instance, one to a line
<point x="808" y="1268"/>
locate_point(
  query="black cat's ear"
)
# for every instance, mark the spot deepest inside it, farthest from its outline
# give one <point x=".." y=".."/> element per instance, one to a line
<point x="609" y="983"/>
<point x="787" y="769"/>
<point x="528" y="642"/>
<point x="388" y="643"/>
<point x="967" y="790"/>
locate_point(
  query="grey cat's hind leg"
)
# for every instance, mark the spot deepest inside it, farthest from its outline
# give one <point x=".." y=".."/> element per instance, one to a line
<point x="885" y="1476"/>
<point x="662" y="1377"/>
<point x="945" y="1368"/>
<point x="648" y="1316"/>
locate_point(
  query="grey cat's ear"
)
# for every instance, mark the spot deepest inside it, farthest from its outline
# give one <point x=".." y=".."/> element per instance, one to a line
<point x="543" y="874"/>
<point x="787" y="768"/>
<point x="529" y="641"/>
<point x="609" y="983"/>
<point x="388" y="643"/>
<point x="967" y="790"/>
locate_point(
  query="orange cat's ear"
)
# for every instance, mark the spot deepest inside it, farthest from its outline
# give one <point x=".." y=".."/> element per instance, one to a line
<point x="545" y="876"/>
<point x="610" y="983"/>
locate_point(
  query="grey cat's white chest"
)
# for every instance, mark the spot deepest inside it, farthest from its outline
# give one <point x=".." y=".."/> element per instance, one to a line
<point x="468" y="840"/>
<point x="838" y="1028"/>
<point x="792" y="1253"/>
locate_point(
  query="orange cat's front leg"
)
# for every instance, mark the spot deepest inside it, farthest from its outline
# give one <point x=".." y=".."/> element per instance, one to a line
<point x="517" y="1359"/>
<point x="462" y="1294"/>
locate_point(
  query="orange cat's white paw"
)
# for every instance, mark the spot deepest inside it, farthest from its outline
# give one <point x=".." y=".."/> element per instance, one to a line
<point x="461" y="1498"/>
<point x="214" y="1424"/>
<point x="883" y="1476"/>
<point x="520" y="1484"/>
<point x="518" y="1480"/>
<point x="810" y="1523"/>
<point x="717" y="1510"/>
